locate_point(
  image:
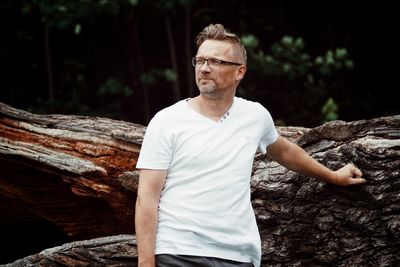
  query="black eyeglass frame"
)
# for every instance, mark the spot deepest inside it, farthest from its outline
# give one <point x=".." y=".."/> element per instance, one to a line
<point x="220" y="61"/>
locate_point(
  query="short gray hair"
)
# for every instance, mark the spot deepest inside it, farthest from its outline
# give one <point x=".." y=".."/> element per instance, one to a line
<point x="220" y="33"/>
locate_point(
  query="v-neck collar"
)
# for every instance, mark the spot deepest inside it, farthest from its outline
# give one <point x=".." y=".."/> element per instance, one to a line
<point x="222" y="119"/>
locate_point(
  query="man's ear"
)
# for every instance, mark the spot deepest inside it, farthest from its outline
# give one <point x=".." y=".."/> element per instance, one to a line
<point x="240" y="72"/>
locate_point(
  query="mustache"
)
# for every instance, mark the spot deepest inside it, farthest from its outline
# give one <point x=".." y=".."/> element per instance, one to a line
<point x="205" y="77"/>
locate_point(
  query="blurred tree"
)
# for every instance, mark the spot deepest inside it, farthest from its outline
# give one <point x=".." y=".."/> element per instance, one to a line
<point x="63" y="14"/>
<point x="60" y="16"/>
<point x="169" y="9"/>
<point x="55" y="56"/>
<point x="295" y="83"/>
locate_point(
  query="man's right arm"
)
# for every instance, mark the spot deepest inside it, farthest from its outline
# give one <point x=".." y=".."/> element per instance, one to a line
<point x="151" y="183"/>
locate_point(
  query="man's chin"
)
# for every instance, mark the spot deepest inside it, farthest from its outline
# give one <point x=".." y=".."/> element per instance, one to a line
<point x="207" y="90"/>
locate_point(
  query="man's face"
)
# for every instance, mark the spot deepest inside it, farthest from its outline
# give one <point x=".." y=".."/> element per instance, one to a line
<point x="217" y="79"/>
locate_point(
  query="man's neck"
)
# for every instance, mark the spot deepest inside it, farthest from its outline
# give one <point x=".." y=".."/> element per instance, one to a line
<point x="212" y="108"/>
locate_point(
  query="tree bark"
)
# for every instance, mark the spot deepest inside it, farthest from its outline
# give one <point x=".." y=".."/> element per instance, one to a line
<point x="76" y="172"/>
<point x="49" y="67"/>
<point x="188" y="51"/>
<point x="174" y="61"/>
<point x="304" y="222"/>
<point x="105" y="251"/>
<point x="79" y="173"/>
<point x="144" y="91"/>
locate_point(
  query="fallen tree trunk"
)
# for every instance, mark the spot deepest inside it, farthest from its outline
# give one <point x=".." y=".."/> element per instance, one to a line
<point x="304" y="222"/>
<point x="78" y="173"/>
<point x="105" y="251"/>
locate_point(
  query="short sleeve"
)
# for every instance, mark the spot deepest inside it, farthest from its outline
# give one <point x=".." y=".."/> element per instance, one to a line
<point x="156" y="149"/>
<point x="269" y="132"/>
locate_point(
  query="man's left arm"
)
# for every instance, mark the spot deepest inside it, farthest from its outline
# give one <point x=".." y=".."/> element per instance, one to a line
<point x="295" y="158"/>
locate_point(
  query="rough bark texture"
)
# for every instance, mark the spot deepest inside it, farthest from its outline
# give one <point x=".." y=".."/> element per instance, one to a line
<point x="304" y="222"/>
<point x="78" y="173"/>
<point x="114" y="251"/>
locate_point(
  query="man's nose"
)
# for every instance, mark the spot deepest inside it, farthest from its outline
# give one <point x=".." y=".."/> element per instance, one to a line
<point x="205" y="66"/>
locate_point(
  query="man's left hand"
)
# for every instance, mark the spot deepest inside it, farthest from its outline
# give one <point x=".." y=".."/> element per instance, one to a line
<point x="348" y="175"/>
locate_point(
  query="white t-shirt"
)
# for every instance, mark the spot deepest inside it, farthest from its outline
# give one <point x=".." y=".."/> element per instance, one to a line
<point x="205" y="207"/>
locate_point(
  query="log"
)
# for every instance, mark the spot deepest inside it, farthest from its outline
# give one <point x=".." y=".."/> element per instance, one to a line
<point x="116" y="251"/>
<point x="79" y="174"/>
<point x="304" y="222"/>
<point x="76" y="172"/>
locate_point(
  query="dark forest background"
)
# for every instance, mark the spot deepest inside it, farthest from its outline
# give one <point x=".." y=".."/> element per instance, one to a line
<point x="309" y="62"/>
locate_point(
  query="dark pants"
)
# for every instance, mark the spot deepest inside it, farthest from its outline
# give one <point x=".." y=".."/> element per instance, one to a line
<point x="167" y="260"/>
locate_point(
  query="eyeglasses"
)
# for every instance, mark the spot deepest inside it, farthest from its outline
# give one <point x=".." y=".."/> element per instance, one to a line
<point x="211" y="62"/>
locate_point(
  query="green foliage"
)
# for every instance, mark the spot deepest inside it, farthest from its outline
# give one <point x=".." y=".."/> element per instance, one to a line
<point x="155" y="76"/>
<point x="69" y="105"/>
<point x="288" y="58"/>
<point x="112" y="95"/>
<point x="113" y="88"/>
<point x="71" y="92"/>
<point x="333" y="61"/>
<point x="170" y="75"/>
<point x="250" y="42"/>
<point x="96" y="48"/>
<point x="330" y="110"/>
<point x="64" y="14"/>
<point x="293" y="77"/>
<point x="77" y="29"/>
<point x="170" y="5"/>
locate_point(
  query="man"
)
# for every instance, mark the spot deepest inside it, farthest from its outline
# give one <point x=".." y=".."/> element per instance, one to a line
<point x="193" y="206"/>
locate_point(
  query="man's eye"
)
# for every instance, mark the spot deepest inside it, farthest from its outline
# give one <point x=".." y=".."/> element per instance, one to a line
<point x="215" y="61"/>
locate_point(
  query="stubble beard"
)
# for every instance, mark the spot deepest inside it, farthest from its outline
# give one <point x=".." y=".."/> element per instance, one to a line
<point x="208" y="90"/>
